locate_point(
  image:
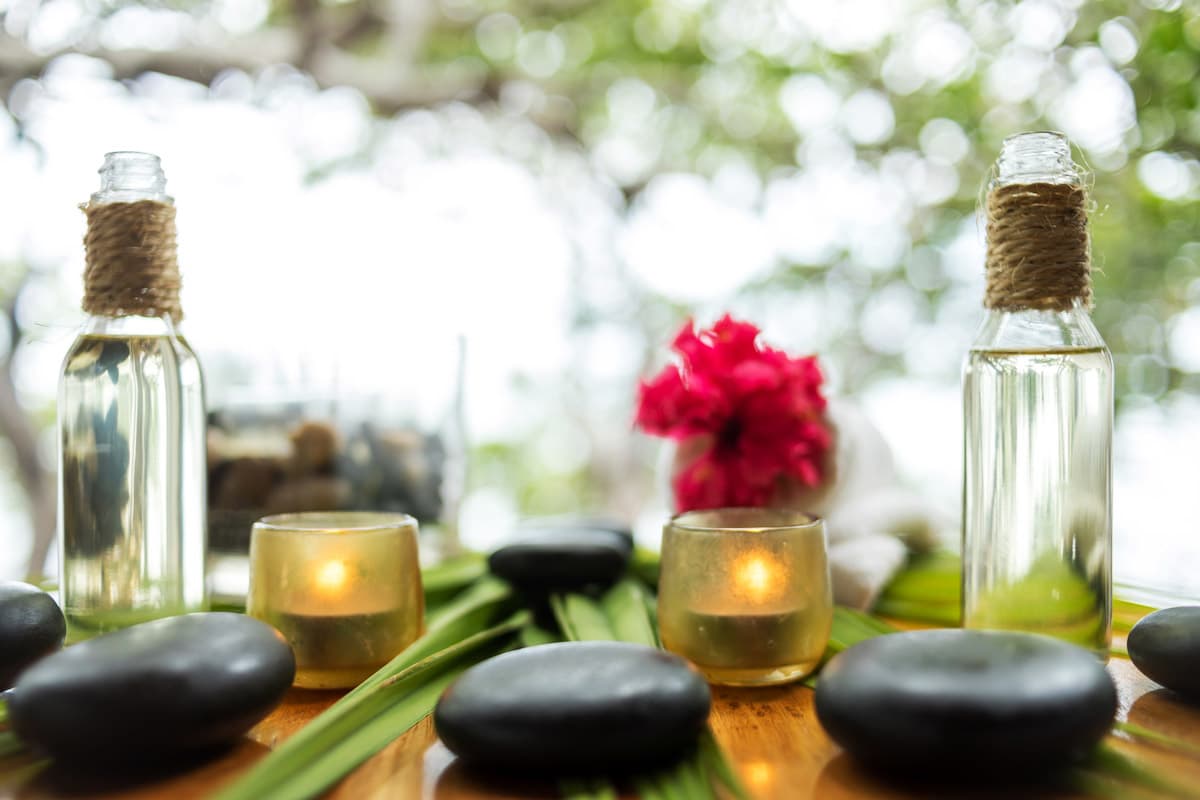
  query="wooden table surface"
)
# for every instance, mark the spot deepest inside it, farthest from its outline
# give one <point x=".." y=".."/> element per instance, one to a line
<point x="772" y="735"/>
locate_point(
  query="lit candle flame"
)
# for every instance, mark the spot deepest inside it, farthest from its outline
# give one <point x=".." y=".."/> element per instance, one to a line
<point x="331" y="577"/>
<point x="756" y="576"/>
<point x="760" y="775"/>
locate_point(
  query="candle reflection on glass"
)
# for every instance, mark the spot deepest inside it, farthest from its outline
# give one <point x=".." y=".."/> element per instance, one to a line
<point x="744" y="593"/>
<point x="344" y="588"/>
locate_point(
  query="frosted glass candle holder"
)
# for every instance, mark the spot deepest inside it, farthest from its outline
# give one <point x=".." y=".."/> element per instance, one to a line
<point x="744" y="593"/>
<point x="343" y="587"/>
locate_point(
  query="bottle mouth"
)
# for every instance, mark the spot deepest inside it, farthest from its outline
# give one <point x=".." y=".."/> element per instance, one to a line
<point x="128" y="175"/>
<point x="1036" y="157"/>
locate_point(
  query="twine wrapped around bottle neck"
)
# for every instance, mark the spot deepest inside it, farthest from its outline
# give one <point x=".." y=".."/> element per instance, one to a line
<point x="1038" y="256"/>
<point x="131" y="267"/>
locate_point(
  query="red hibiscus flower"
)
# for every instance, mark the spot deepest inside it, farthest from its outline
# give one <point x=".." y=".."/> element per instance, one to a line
<point x="749" y="416"/>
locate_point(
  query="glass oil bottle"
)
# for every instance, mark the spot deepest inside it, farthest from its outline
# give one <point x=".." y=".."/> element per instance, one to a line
<point x="131" y="420"/>
<point x="1038" y="413"/>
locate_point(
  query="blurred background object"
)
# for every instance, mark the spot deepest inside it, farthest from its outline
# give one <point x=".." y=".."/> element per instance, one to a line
<point x="561" y="183"/>
<point x="285" y="436"/>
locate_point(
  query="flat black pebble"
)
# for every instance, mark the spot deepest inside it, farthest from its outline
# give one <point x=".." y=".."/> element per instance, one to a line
<point x="168" y="686"/>
<point x="565" y="557"/>
<point x="31" y="626"/>
<point x="575" y="707"/>
<point x="1166" y="646"/>
<point x="966" y="701"/>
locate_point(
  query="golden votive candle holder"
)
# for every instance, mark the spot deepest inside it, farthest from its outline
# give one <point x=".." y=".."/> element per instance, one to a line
<point x="343" y="587"/>
<point x="744" y="593"/>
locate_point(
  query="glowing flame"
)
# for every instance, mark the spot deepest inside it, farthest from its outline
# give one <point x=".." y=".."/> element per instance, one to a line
<point x="760" y="775"/>
<point x="331" y="577"/>
<point x="756" y="576"/>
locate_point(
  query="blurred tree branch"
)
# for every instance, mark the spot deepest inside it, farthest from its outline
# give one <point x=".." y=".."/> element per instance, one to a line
<point x="201" y="64"/>
<point x="318" y="42"/>
<point x="389" y="88"/>
<point x="18" y="427"/>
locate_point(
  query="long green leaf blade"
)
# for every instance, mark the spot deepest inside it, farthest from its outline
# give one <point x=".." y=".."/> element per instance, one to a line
<point x="320" y="749"/>
<point x="717" y="764"/>
<point x="691" y="779"/>
<point x="575" y="789"/>
<point x="585" y="618"/>
<point x="1137" y="732"/>
<point x="343" y="757"/>
<point x="1108" y="760"/>
<point x="469" y="608"/>
<point x="17" y="771"/>
<point x="626" y="607"/>
<point x="534" y="635"/>
<point x="455" y="573"/>
<point x="647" y="788"/>
<point x="10" y="745"/>
<point x="849" y="628"/>
<point x="558" y="606"/>
<point x="1097" y="784"/>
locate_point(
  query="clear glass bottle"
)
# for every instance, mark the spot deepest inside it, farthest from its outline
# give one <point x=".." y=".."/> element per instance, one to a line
<point x="132" y="496"/>
<point x="1038" y="413"/>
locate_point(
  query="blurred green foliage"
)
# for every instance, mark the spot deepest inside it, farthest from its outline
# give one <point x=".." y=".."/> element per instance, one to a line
<point x="650" y="87"/>
<point x="717" y="71"/>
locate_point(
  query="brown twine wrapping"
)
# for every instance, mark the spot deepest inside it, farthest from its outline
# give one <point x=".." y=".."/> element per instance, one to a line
<point x="131" y="267"/>
<point x="1037" y="247"/>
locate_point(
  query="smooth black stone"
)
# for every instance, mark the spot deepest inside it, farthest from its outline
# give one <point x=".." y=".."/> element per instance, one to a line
<point x="574" y="707"/>
<point x="967" y="701"/>
<point x="31" y="627"/>
<point x="562" y="557"/>
<point x="1166" y="646"/>
<point x="168" y="686"/>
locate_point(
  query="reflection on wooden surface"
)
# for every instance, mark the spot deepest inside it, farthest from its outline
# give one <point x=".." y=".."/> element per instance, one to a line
<point x="455" y="782"/>
<point x="772" y="735"/>
<point x="1166" y="712"/>
<point x="185" y="779"/>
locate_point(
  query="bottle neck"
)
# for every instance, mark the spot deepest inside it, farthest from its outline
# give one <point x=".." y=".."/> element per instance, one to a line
<point x="1038" y="255"/>
<point x="127" y="177"/>
<point x="130" y="242"/>
<point x="1037" y="157"/>
<point x="128" y="325"/>
<point x="1035" y="329"/>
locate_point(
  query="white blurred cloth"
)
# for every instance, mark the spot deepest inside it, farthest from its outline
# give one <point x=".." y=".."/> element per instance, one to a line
<point x="871" y="520"/>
